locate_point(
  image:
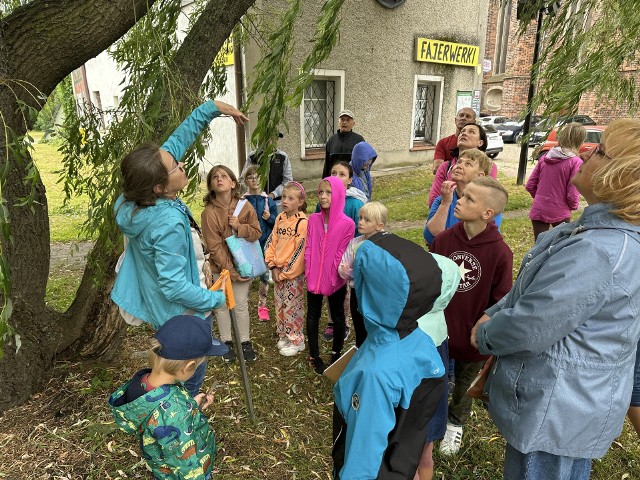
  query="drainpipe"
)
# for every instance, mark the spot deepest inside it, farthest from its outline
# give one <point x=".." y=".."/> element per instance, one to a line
<point x="239" y="80"/>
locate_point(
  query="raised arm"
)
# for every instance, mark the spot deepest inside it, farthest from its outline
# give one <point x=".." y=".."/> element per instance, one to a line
<point x="184" y="136"/>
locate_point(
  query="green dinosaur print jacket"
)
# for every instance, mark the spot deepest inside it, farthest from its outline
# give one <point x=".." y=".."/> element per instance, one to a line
<point x="174" y="434"/>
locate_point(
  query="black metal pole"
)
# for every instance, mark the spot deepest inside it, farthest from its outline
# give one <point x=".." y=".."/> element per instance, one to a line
<point x="524" y="147"/>
<point x="243" y="367"/>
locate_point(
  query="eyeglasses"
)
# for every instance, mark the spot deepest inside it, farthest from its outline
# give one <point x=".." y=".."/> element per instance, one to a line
<point x="177" y="167"/>
<point x="597" y="150"/>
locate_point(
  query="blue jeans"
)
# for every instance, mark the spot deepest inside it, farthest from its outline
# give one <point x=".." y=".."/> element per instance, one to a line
<point x="635" y="395"/>
<point x="544" y="466"/>
<point x="195" y="382"/>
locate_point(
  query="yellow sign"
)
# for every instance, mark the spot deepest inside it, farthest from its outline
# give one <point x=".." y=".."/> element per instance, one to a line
<point x="438" y="51"/>
<point x="225" y="55"/>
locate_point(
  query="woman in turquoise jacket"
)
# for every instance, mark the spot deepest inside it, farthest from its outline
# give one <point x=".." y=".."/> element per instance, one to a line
<point x="159" y="277"/>
<point x="565" y="336"/>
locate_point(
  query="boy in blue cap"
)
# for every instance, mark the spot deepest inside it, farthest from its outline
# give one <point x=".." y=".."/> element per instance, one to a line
<point x="174" y="434"/>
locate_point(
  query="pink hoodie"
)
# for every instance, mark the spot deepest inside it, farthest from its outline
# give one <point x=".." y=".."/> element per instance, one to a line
<point x="324" y="249"/>
<point x="554" y="196"/>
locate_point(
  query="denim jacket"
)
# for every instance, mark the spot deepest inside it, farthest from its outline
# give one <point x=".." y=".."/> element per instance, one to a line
<point x="565" y="338"/>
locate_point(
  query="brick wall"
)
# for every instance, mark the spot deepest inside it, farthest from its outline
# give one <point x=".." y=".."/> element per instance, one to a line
<point x="514" y="83"/>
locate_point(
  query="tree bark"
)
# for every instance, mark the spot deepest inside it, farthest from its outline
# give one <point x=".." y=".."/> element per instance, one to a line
<point x="40" y="43"/>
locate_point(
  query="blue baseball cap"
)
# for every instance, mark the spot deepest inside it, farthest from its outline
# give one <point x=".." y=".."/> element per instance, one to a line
<point x="184" y="337"/>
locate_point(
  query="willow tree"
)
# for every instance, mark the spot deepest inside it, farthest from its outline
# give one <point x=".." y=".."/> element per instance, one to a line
<point x="588" y="46"/>
<point x="167" y="79"/>
<point x="40" y="43"/>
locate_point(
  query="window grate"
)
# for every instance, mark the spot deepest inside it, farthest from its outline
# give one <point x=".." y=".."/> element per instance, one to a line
<point x="425" y="106"/>
<point x="319" y="113"/>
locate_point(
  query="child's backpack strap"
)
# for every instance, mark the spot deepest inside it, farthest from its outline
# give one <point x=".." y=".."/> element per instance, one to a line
<point x="295" y="231"/>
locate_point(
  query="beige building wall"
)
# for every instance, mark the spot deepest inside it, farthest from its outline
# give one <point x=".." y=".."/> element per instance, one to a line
<point x="375" y="61"/>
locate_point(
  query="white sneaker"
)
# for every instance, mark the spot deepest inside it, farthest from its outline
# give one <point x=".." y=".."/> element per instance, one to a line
<point x="283" y="342"/>
<point x="291" y="350"/>
<point x="452" y="440"/>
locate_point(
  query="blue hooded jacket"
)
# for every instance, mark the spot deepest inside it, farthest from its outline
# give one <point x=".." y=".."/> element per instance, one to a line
<point x="389" y="391"/>
<point x="361" y="154"/>
<point x="159" y="277"/>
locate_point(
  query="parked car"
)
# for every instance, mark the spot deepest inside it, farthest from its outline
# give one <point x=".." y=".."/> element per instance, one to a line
<point x="492" y="120"/>
<point x="591" y="141"/>
<point x="539" y="133"/>
<point x="583" y="119"/>
<point x="511" y="131"/>
<point x="494" y="141"/>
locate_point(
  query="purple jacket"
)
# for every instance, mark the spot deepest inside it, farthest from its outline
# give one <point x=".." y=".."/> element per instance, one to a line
<point x="324" y="249"/>
<point x="554" y="196"/>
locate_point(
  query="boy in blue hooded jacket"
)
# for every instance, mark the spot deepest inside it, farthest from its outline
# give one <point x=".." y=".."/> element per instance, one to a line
<point x="388" y="392"/>
<point x="362" y="158"/>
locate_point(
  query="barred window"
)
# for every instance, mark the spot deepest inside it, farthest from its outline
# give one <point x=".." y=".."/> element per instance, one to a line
<point x="425" y="103"/>
<point x="319" y="111"/>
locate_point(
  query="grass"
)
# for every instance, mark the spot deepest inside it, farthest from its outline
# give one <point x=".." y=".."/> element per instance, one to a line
<point x="67" y="431"/>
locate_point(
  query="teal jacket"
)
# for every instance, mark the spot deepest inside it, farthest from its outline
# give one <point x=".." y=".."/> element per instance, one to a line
<point x="159" y="277"/>
<point x="174" y="434"/>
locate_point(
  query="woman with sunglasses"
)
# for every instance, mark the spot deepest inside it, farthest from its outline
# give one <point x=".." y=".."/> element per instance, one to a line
<point x="565" y="336"/>
<point x="159" y="277"/>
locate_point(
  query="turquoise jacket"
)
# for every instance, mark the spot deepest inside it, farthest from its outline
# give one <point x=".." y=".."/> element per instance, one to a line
<point x="174" y="434"/>
<point x="159" y="277"/>
<point x="391" y="387"/>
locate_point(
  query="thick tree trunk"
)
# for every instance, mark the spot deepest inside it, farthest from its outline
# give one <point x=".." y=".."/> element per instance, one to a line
<point x="40" y="44"/>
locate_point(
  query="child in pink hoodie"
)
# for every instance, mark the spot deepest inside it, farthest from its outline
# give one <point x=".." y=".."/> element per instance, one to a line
<point x="328" y="234"/>
<point x="554" y="196"/>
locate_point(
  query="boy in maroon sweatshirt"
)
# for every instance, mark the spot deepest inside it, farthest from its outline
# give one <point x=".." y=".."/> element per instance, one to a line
<point x="485" y="262"/>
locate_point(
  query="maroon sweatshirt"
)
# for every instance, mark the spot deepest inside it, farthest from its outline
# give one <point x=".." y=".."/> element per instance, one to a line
<point x="486" y="263"/>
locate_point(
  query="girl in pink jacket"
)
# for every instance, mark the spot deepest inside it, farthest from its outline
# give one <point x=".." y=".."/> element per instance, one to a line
<point x="328" y="234"/>
<point x="554" y="196"/>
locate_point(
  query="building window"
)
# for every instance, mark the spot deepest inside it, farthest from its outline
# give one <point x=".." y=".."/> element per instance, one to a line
<point x="502" y="38"/>
<point x="427" y="106"/>
<point x="319" y="113"/>
<point x="97" y="102"/>
<point x="425" y="103"/>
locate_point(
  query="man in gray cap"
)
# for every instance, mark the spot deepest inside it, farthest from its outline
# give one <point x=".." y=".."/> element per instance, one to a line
<point x="341" y="143"/>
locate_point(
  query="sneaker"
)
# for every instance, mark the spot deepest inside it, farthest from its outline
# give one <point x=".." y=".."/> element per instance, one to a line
<point x="452" y="440"/>
<point x="230" y="356"/>
<point x="347" y="331"/>
<point x="263" y="314"/>
<point x="247" y="352"/>
<point x="291" y="350"/>
<point x="317" y="364"/>
<point x="283" y="342"/>
<point x="328" y="333"/>
<point x="335" y="356"/>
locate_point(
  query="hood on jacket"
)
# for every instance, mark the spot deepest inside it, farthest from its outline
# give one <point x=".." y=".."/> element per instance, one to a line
<point x="362" y="152"/>
<point x="490" y="234"/>
<point x="396" y="283"/>
<point x="338" y="195"/>
<point x="354" y="192"/>
<point x="556" y="155"/>
<point x="433" y="322"/>
<point x="131" y="405"/>
<point x="133" y="220"/>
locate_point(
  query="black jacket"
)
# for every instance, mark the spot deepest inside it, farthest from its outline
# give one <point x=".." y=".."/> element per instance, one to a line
<point x="339" y="147"/>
